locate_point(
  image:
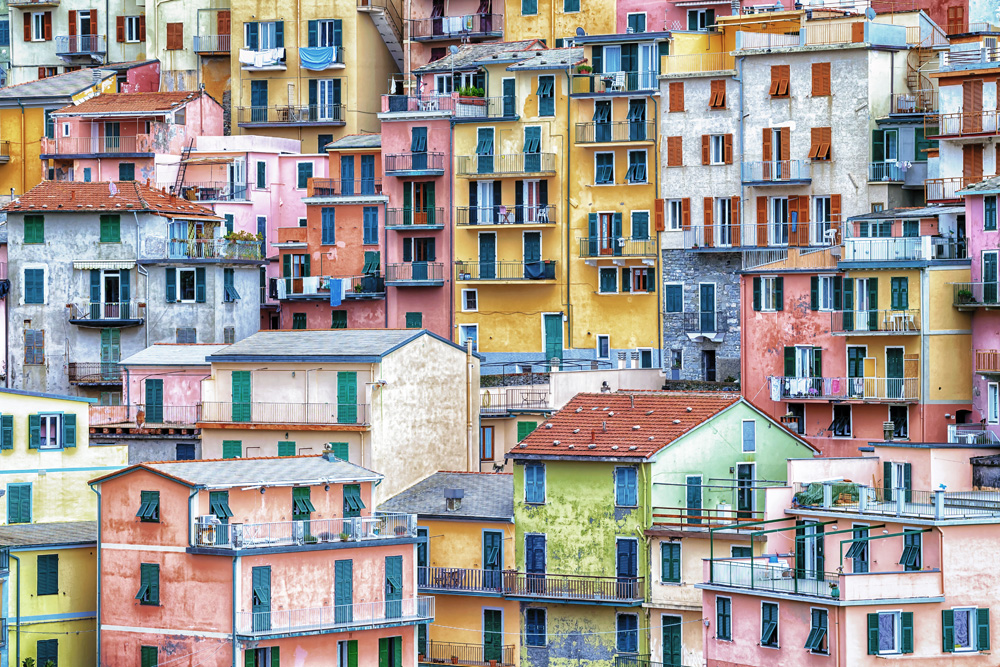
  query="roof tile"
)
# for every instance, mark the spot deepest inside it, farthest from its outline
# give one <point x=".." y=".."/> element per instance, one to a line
<point x="121" y="103"/>
<point x="77" y="196"/>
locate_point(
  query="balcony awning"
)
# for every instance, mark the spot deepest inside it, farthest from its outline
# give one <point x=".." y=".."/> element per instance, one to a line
<point x="219" y="159"/>
<point x="700" y="3"/>
<point x="110" y="264"/>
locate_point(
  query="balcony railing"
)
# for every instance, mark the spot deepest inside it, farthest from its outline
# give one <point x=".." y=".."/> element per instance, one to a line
<point x="988" y="361"/>
<point x="971" y="434"/>
<point x="903" y="502"/>
<point x="404" y="218"/>
<point x="339" y="618"/>
<point x="503" y="400"/>
<point x="772" y="577"/>
<point x="316" y="114"/>
<point x="968" y="123"/>
<point x="344" y="187"/>
<point x="778" y="234"/>
<point x="976" y="295"/>
<point x="969" y="57"/>
<point x="485" y="107"/>
<point x="460" y="579"/>
<point x="246" y="536"/>
<point x="456" y="27"/>
<point x="417" y="103"/>
<point x="902" y="249"/>
<point x="95" y="372"/>
<point x="505" y="270"/>
<point x="285" y="413"/>
<point x="401" y="163"/>
<point x="693" y="63"/>
<point x="886" y="172"/>
<point x="218" y="191"/>
<point x="143" y="415"/>
<point x="618" y="131"/>
<point x="776" y="171"/>
<point x="706" y="322"/>
<point x="221" y="249"/>
<point x="615" y="82"/>
<point x="211" y="43"/>
<point x="70" y="45"/>
<point x="141" y="143"/>
<point x="33" y="3"/>
<point x="574" y="587"/>
<point x="946" y="189"/>
<point x="103" y="312"/>
<point x="417" y="273"/>
<point x="705" y="517"/>
<point x="505" y="215"/>
<point x="474" y="655"/>
<point x="896" y="322"/>
<point x="515" y="164"/>
<point x="920" y="101"/>
<point x="875" y="389"/>
<point x="605" y="246"/>
<point x="766" y="40"/>
<point x="358" y="287"/>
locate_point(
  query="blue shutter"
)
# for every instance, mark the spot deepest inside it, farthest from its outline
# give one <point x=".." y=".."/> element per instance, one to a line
<point x="171" y="288"/>
<point x="199" y="284"/>
<point x="69" y="430"/>
<point x="328" y="220"/>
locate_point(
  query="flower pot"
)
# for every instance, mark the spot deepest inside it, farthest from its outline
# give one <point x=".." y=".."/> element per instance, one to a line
<point x="454" y="659"/>
<point x="473" y="101"/>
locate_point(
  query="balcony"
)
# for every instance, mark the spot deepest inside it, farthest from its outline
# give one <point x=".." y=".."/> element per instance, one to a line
<point x="574" y="588"/>
<point x="627" y="131"/>
<point x="207" y="45"/>
<point x="419" y="104"/>
<point x="468" y="27"/>
<point x="140" y="145"/>
<point x="777" y="172"/>
<point x="697" y="63"/>
<point x="895" y="322"/>
<point x="970" y="55"/>
<point x="972" y="434"/>
<point x="95" y="373"/>
<point x="468" y="655"/>
<point x="885" y="172"/>
<point x="614" y="83"/>
<point x="501" y="271"/>
<point x="183" y="416"/>
<point x="414" y="219"/>
<point x="221" y="191"/>
<point x="414" y="164"/>
<point x="917" y="102"/>
<point x="68" y="46"/>
<point x="900" y="502"/>
<point x="28" y="4"/>
<point x="500" y="401"/>
<point x="349" y="414"/>
<point x="777" y="576"/>
<point x="707" y="323"/>
<point x="606" y="247"/>
<point x="479" y="108"/>
<point x="460" y="580"/>
<point x="703" y="518"/>
<point x="777" y="234"/>
<point x="292" y="116"/>
<point x="988" y="362"/>
<point x="901" y="249"/>
<point x="107" y="313"/>
<point x="4" y="152"/>
<point x="502" y="215"/>
<point x="344" y="187"/>
<point x="516" y="164"/>
<point x="363" y="530"/>
<point x="972" y="296"/>
<point x="945" y="190"/>
<point x="368" y="286"/>
<point x="201" y="249"/>
<point x="342" y="618"/>
<point x="415" y="274"/>
<point x="865" y="389"/>
<point x="964" y="124"/>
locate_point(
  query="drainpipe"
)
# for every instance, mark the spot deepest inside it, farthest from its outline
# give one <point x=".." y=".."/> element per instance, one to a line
<point x="139" y="270"/>
<point x="23" y="159"/>
<point x="451" y="229"/>
<point x="468" y="406"/>
<point x="17" y="653"/>
<point x="569" y="248"/>
<point x="233" y="600"/>
<point x="742" y="133"/>
<point x="98" y="624"/>
<point x="659" y="255"/>
<point x="925" y="389"/>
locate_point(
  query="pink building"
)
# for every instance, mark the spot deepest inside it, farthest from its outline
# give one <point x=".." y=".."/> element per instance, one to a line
<point x="677" y="15"/>
<point x="435" y="25"/>
<point x="4" y="291"/>
<point x="865" y="559"/>
<point x="125" y="137"/>
<point x="246" y="561"/>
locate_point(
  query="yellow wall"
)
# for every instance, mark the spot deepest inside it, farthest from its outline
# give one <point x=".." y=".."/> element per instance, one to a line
<point x="551" y="22"/>
<point x="22" y="130"/>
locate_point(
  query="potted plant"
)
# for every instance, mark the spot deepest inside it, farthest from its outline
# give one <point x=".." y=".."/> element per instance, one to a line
<point x="965" y="296"/>
<point x="834" y="590"/>
<point x="454" y="659"/>
<point x="472" y="95"/>
<point x="345" y="537"/>
<point x="401" y="530"/>
<point x="584" y="69"/>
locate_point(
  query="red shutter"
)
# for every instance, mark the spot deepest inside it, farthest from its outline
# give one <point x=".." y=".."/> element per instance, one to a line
<point x="709" y="222"/>
<point x="659" y="215"/>
<point x="686" y="213"/>
<point x="786" y="148"/>
<point x="727" y="150"/>
<point x="120" y="29"/>
<point x="142" y="27"/>
<point x="222" y="22"/>
<point x="736" y="220"/>
<point x="705" y="150"/>
<point x="48" y="26"/>
<point x="835" y="214"/>
<point x="72" y="23"/>
<point x="768" y="155"/>
<point x="41" y="72"/>
<point x="93" y="22"/>
<point x="27" y="26"/>
<point x="761" y="221"/>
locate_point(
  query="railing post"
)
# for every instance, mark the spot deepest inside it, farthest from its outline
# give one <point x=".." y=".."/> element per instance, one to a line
<point x="827" y="494"/>
<point x="938" y="504"/>
<point x="862" y="498"/>
<point x="899" y="499"/>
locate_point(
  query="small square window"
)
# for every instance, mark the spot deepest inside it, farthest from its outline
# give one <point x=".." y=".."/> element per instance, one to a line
<point x="675" y="214"/>
<point x="470" y="300"/>
<point x="608" y="277"/>
<point x="603" y="346"/>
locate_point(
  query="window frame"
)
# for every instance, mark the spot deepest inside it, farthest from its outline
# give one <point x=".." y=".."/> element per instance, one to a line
<point x="719" y="614"/>
<point x="132" y="31"/>
<point x="635" y="480"/>
<point x="973" y="613"/>
<point x="768" y="294"/>
<point x="463" y="335"/>
<point x="466" y="293"/>
<point x="194" y="283"/>
<point x="545" y="489"/>
<point x="825" y="291"/>
<point x="850" y="421"/>
<point x="716" y="143"/>
<point x="993" y="404"/>
<point x="633" y="166"/>
<point x="597" y="167"/>
<point x="56" y="420"/>
<point x="603" y="270"/>
<point x="825" y="638"/>
<point x="38" y="27"/>
<point x="528" y="636"/>
<point x="665" y="577"/>
<point x="675" y="214"/>
<point x="743" y="441"/>
<point x="897" y="628"/>
<point x="906" y="412"/>
<point x="597" y="346"/>
<point x="777" y="625"/>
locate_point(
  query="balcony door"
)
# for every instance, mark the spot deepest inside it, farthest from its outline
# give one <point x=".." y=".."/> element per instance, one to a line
<point x="602" y="120"/>
<point x="236" y="174"/>
<point x="347" y="397"/>
<point x="88" y="30"/>
<point x="492" y="559"/>
<point x="972" y="106"/>
<point x="241" y="396"/>
<point x="343" y="591"/>
<point x="393" y="586"/>
<point x="532" y="254"/>
<point x="492" y="635"/>
<point x="706" y="308"/>
<point x="112" y="138"/>
<point x="672" y="628"/>
<point x="154" y="400"/>
<point x="485" y="204"/>
<point x="856" y="370"/>
<point x="347" y="174"/>
<point x="258" y="101"/>
<point x="778" y="231"/>
<point x="261" y="598"/>
<point x="626" y="567"/>
<point x="487" y="256"/>
<point x="693" y="499"/>
<point x="422" y="557"/>
<point x="552" y="326"/>
<point x="744" y="490"/>
<point x="534" y="562"/>
<point x="607" y="233"/>
<point x="989" y="277"/>
<point x="110" y="353"/>
<point x="111" y="295"/>
<point x="895" y="384"/>
<point x="809" y="543"/>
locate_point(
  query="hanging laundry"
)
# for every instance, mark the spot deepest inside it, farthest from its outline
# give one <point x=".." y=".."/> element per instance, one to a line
<point x="317" y="58"/>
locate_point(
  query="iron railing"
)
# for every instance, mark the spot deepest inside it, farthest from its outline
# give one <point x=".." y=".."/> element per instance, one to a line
<point x="213" y="249"/>
<point x="212" y="43"/>
<point x="248" y="536"/>
<point x="475" y="655"/>
<point x="344" y="187"/>
<point x="214" y="191"/>
<point x="895" y="321"/>
<point x="776" y="171"/>
<point x="701" y="321"/>
<point x="80" y="44"/>
<point x="903" y="502"/>
<point x="400" y="218"/>
<point x="140" y="143"/>
<point x="779" y="233"/>
<point x="691" y="63"/>
<point x="946" y="189"/>
<point x="141" y="414"/>
<point x="976" y="295"/>
<point x="406" y="162"/>
<point x="461" y="579"/>
<point x="614" y="82"/>
<point x="106" y="311"/>
<point x="285" y="413"/>
<point x="904" y="248"/>
<point x="480" y="270"/>
<point x="618" y="131"/>
<point x="95" y="372"/>
<point x="291" y="114"/>
<point x="502" y="400"/>
<point x="515" y="164"/>
<point x="876" y="389"/>
<point x="485" y="107"/>
<point x="340" y="617"/>
<point x="542" y="214"/>
<point x="775" y="577"/>
<point x="456" y="27"/>
<point x="886" y="172"/>
<point x="545" y="585"/>
<point x="358" y="287"/>
<point x="606" y="246"/>
<point x="919" y="101"/>
<point x="972" y="434"/>
<point x="414" y="272"/>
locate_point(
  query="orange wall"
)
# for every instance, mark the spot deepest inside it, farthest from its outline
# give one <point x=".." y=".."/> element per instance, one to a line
<point x="120" y="502"/>
<point x="275" y="504"/>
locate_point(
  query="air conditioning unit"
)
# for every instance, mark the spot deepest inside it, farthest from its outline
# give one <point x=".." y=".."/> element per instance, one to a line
<point x="206" y="529"/>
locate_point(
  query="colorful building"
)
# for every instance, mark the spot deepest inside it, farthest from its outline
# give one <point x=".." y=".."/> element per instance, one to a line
<point x="250" y="561"/>
<point x="467" y="519"/>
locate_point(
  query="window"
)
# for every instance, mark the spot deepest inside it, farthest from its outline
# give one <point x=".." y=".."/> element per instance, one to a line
<point x="604" y="168"/>
<point x="670" y="562"/>
<point x="857" y="553"/>
<point x="993" y="403"/>
<point x="46" y="651"/>
<point x="769" y="624"/>
<point x="990" y="213"/>
<point x="529" y="7"/>
<point x="414" y="320"/>
<point x="819" y="149"/>
<point x="899" y="296"/>
<point x="922" y="144"/>
<point x="717" y="149"/>
<point x="571" y="6"/>
<point x="724" y="619"/>
<point x="39" y="22"/>
<point x="149" y="506"/>
<point x="603" y="346"/>
<point x="700" y="20"/>
<point x="911" y="557"/>
<point x="470" y="300"/>
<point x="534" y="621"/>
<point x="640" y="225"/>
<point x="126" y="171"/>
<point x="49" y="431"/>
<point x="636" y="167"/>
<point x="485" y="443"/>
<point x="534" y="483"/>
<point x="890" y="632"/>
<point x="820" y="79"/>
<point x="184" y="452"/>
<point x="34" y="346"/>
<point x="608" y="278"/>
<point x="86" y="175"/>
<point x="841" y="425"/>
<point x="676" y="92"/>
<point x="338" y="319"/>
<point x="626" y="489"/>
<point x="261" y="175"/>
<point x="175" y="36"/>
<point x="148" y="656"/>
<point x="299" y="321"/>
<point x="230" y="294"/>
<point x="111" y="229"/>
<point x="816" y="641"/>
<point x="232" y="449"/>
<point x="628" y="633"/>
<point x="34" y="229"/>
<point x="468" y="332"/>
<point x="149" y="584"/>
<point x="524" y="429"/>
<point x="675" y="214"/>
<point x="352" y="500"/>
<point x="34" y="286"/>
<point x="779" y="81"/>
<point x="228" y="335"/>
<point x="186" y="335"/>
<point x="264" y="35"/>
<point x="370" y="222"/>
<point x="798" y="411"/>
<point x="328" y="227"/>
<point x="768" y="293"/>
<point x="636" y="23"/>
<point x="133" y="28"/>
<point x="673" y="298"/>
<point x="749" y="435"/>
<point x="5" y="32"/>
<point x="304" y="171"/>
<point x="965" y="629"/>
<point x="546" y="96"/>
<point x="186" y="285"/>
<point x="675" y="151"/>
<point x="48" y="574"/>
<point x="637" y="280"/>
<point x="826" y="293"/>
<point x="717" y="96"/>
<point x="740" y="552"/>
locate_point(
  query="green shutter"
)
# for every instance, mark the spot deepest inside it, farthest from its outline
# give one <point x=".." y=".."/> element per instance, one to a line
<point x="817" y="362"/>
<point x="347" y="397"/>
<point x="232" y="449"/>
<point x="249" y="657"/>
<point x="779" y="293"/>
<point x="47" y="574"/>
<point x="906" y="632"/>
<point x="352" y="653"/>
<point x="171" y="289"/>
<point x="789" y="361"/>
<point x="111" y="229"/>
<point x="341" y="450"/>
<point x="6" y="431"/>
<point x="148" y="657"/>
<point x="524" y="429"/>
<point x="34" y="431"/>
<point x="383" y="652"/>
<point x="947" y="630"/>
<point x="756" y="293"/>
<point x="199" y="284"/>
<point x="872" y="634"/>
<point x="286" y="448"/>
<point x="414" y="320"/>
<point x="275" y="659"/>
<point x="983" y="629"/>
<point x="69" y="430"/>
<point x="814" y="293"/>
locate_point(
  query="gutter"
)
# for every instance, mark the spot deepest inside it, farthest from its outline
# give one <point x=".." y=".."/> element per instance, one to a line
<point x="98" y="492"/>
<point x="140" y="270"/>
<point x="659" y="253"/>
<point x="17" y="653"/>
<point x="568" y="344"/>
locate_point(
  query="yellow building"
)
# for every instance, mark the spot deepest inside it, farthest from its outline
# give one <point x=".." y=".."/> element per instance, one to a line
<point x="467" y="520"/>
<point x="312" y="70"/>
<point x="557" y="20"/>
<point x="50" y="525"/>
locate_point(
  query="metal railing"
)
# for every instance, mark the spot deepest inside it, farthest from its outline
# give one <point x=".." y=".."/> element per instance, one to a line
<point x="343" y="187"/>
<point x="867" y="499"/>
<point x="765" y="235"/>
<point x="574" y="587"/>
<point x="905" y="248"/>
<point x="975" y="56"/>
<point x="414" y="272"/>
<point x="95" y="372"/>
<point x="502" y="400"/>
<point x="213" y="249"/>
<point x="606" y="246"/>
<point x="326" y="619"/>
<point x="894" y="321"/>
<point x="505" y="215"/>
<point x="971" y="122"/>
<point x="456" y="27"/>
<point x="212" y="43"/>
<point x="358" y="287"/>
<point x="988" y="361"/>
<point x="290" y="114"/>
<point x="33" y="3"/>
<point x="890" y="172"/>
<point x="919" y="101"/>
<point x="396" y="218"/>
<point x="405" y="162"/>
<point x="697" y="62"/>
<point x="708" y="321"/>
<point x="776" y="171"/>
<point x="86" y="44"/>
<point x="244" y="536"/>
<point x="766" y="40"/>
<point x="976" y="295"/>
<point x="703" y="517"/>
<point x="140" y="415"/>
<point x="946" y="189"/>
<point x="505" y="270"/>
<point x="218" y="191"/>
<point x="971" y="434"/>
<point x="485" y="107"/>
<point x="285" y="413"/>
<point x="614" y="82"/>
<point x="625" y="130"/>
<point x="832" y="33"/>
<point x="774" y="577"/>
<point x="849" y="388"/>
<point x="417" y="103"/>
<point x="468" y="654"/>
<point x="506" y="165"/>
<point x="99" y="311"/>
<point x="140" y="143"/>
<point x="463" y="579"/>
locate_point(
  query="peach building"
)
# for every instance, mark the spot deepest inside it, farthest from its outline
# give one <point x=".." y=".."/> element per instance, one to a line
<point x="251" y="560"/>
<point x="864" y="559"/>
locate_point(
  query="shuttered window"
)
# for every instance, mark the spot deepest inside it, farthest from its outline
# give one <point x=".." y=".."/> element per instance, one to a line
<point x="304" y="173"/>
<point x="674" y="151"/>
<point x="820" y="79"/>
<point x="232" y="449"/>
<point x="175" y="36"/>
<point x="19" y="503"/>
<point x="769" y="624"/>
<point x="724" y="619"/>
<point x="626" y="490"/>
<point x="149" y="506"/>
<point x="546" y="96"/>
<point x="48" y="574"/>
<point x="534" y="483"/>
<point x="628" y="633"/>
<point x="111" y="229"/>
<point x="820" y="147"/>
<point x="670" y="562"/>
<point x="6" y="431"/>
<point x="148" y="656"/>
<point x="34" y="229"/>
<point x="717" y="97"/>
<point x="338" y="319"/>
<point x="229" y="286"/>
<point x="636" y="167"/>
<point x="604" y="168"/>
<point x="286" y="448"/>
<point x="414" y="320"/>
<point x="815" y="642"/>
<point x="524" y="429"/>
<point x="352" y="500"/>
<point x="535" y="630"/>
<point x="676" y="93"/>
<point x="779" y="81"/>
<point x="149" y="584"/>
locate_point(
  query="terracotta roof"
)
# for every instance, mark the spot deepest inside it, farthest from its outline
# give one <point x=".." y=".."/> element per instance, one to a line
<point x="622" y="424"/>
<point x="125" y="103"/>
<point x="131" y="196"/>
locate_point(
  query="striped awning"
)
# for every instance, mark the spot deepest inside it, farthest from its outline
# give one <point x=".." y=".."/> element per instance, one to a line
<point x="110" y="264"/>
<point x="208" y="160"/>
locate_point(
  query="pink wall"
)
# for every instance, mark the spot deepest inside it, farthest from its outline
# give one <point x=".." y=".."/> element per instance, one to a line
<point x="181" y="386"/>
<point x="985" y="323"/>
<point x="676" y="17"/>
<point x="142" y="79"/>
<point x="275" y="504"/>
<point x="3" y="308"/>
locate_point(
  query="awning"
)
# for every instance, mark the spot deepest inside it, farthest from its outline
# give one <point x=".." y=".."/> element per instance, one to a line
<point x="208" y="160"/>
<point x="701" y="3"/>
<point x="103" y="264"/>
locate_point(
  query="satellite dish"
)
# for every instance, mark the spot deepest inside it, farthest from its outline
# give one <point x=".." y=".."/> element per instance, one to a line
<point x="870" y="14"/>
<point x="453" y="48"/>
<point x="580" y="32"/>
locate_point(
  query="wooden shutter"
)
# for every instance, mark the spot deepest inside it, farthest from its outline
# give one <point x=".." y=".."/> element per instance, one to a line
<point x="736" y="220"/>
<point x="717" y="99"/>
<point x="779" y="81"/>
<point x="48" y="26"/>
<point x="660" y="215"/>
<point x="820" y="79"/>
<point x="686" y="213"/>
<point x="972" y="162"/>
<point x="674" y="152"/>
<point x="972" y="106"/>
<point x="802" y="230"/>
<point x="727" y="149"/>
<point x="676" y="96"/>
<point x="785" y="134"/>
<point x="142" y="27"/>
<point x="709" y="222"/>
<point x="706" y="141"/>
<point x="27" y="33"/>
<point x="120" y="29"/>
<point x="768" y="150"/>
<point x="175" y="36"/>
<point x="835" y="216"/>
<point x="761" y="221"/>
<point x="72" y="23"/>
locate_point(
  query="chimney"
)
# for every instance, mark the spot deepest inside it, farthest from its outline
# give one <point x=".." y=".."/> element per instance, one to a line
<point x="453" y="499"/>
